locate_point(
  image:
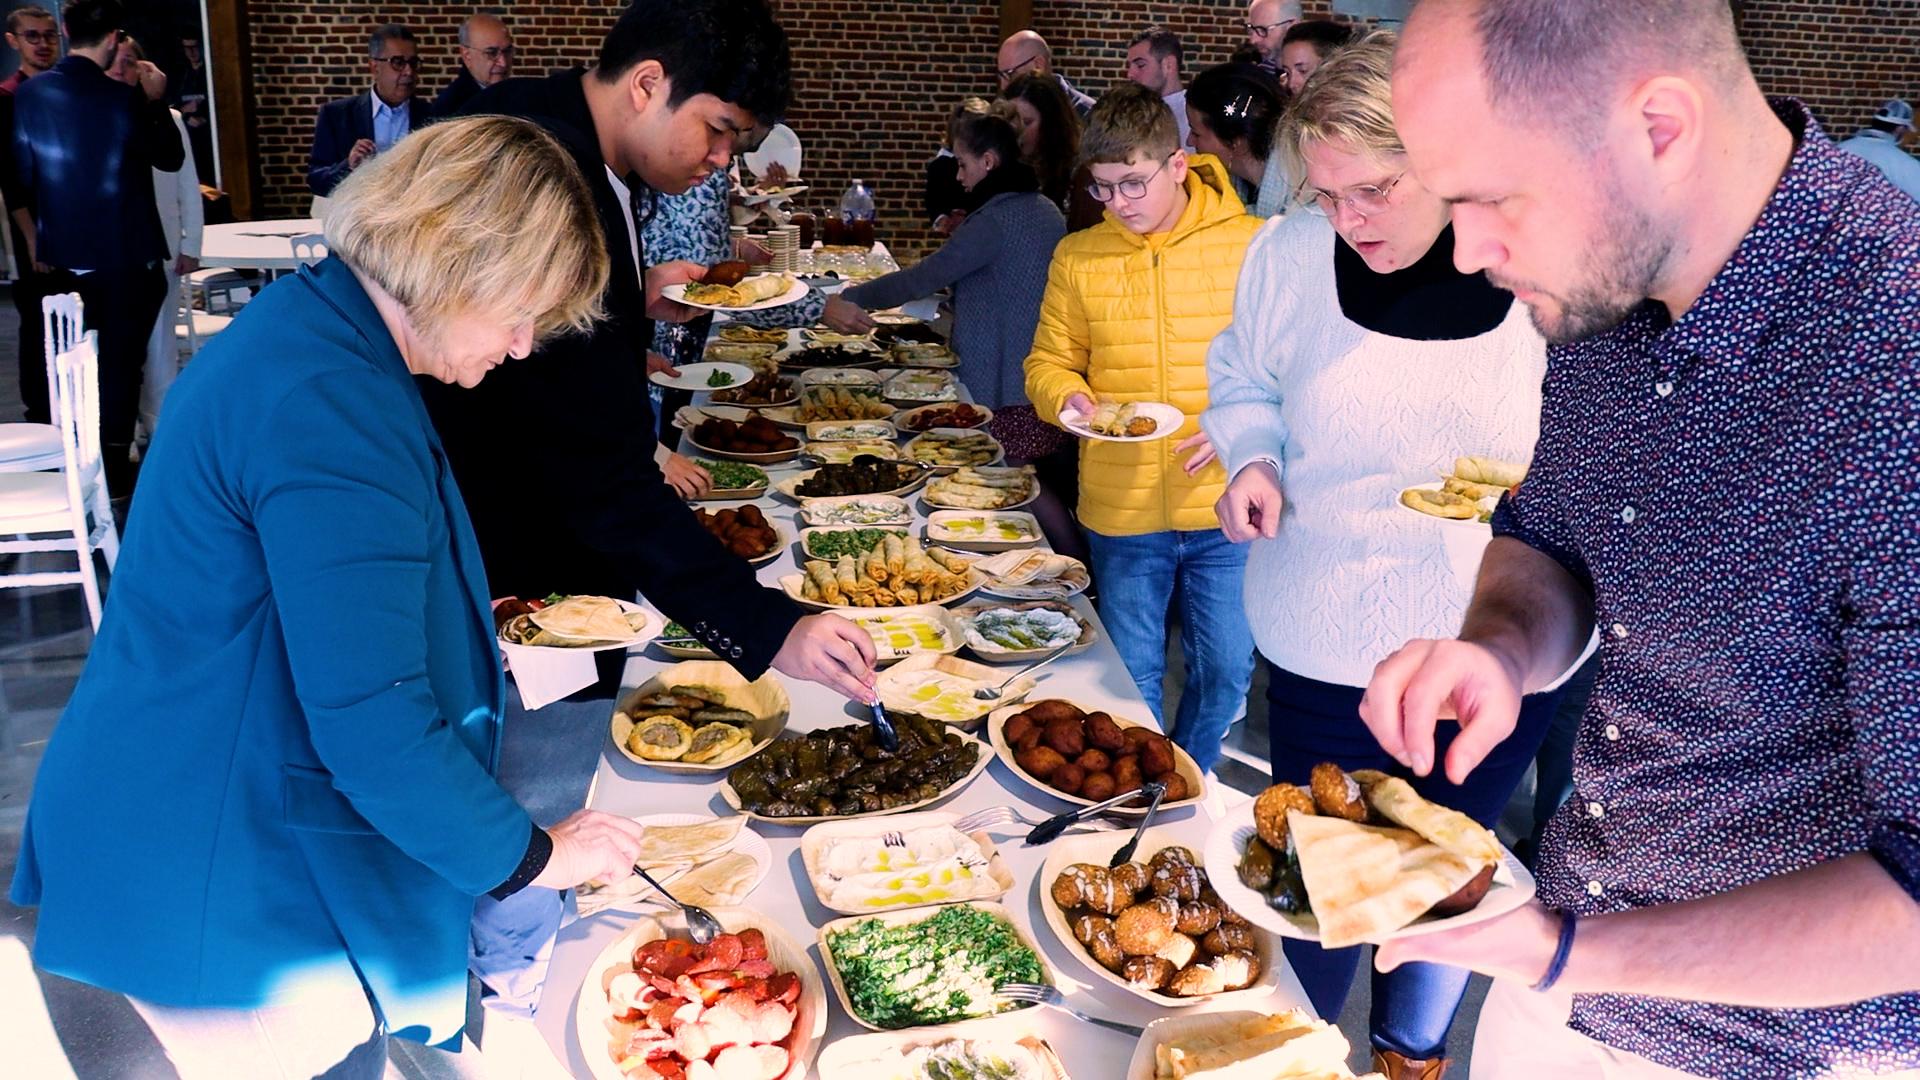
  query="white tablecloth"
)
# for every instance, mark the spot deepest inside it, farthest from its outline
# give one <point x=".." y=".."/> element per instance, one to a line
<point x="1096" y="678"/>
<point x="255" y="245"/>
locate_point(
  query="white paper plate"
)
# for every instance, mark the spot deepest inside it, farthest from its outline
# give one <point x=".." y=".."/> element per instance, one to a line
<point x="815" y="511"/>
<point x="981" y="758"/>
<point x="1165" y="416"/>
<point x="788" y="192"/>
<point x="790" y="486"/>
<point x="999" y="880"/>
<point x="1056" y="591"/>
<point x="781" y="145"/>
<point x="695" y="376"/>
<point x="1512" y="886"/>
<point x="1186" y="1025"/>
<point x="905" y="418"/>
<point x="593" y="1015"/>
<point x="794" y="294"/>
<point x="1183" y="764"/>
<point x="849" y="1057"/>
<point x="648" y="628"/>
<point x="792" y="584"/>
<point x="1098" y="848"/>
<point x="908" y="916"/>
<point x="939" y="532"/>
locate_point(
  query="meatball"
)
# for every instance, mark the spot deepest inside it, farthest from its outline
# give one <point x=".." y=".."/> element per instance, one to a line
<point x="1067" y="736"/>
<point x="1067" y="778"/>
<point x="1098" y="787"/>
<point x="1126" y="773"/>
<point x="1040" y="762"/>
<point x="1069" y="890"/>
<point x="1094" y="760"/>
<point x="1177" y="787"/>
<point x="1147" y="972"/>
<point x="1131" y="876"/>
<point x="1178" y="881"/>
<point x="1156" y="755"/>
<point x="1017" y="728"/>
<point x="1044" y="712"/>
<point x="1336" y="794"/>
<point x="1270" y="812"/>
<point x="1104" y="734"/>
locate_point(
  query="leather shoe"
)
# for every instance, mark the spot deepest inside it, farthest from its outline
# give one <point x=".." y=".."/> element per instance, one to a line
<point x="1398" y="1067"/>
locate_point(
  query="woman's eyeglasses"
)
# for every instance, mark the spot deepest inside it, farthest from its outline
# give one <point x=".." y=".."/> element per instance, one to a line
<point x="1133" y="187"/>
<point x="1367" y="200"/>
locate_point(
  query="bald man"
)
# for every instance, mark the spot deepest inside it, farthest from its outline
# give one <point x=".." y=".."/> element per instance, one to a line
<point x="1733" y="889"/>
<point x="486" y="57"/>
<point x="1028" y="53"/>
<point x="1267" y="24"/>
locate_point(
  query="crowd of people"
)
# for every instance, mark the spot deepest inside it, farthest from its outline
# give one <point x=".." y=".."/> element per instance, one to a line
<point x="1361" y="255"/>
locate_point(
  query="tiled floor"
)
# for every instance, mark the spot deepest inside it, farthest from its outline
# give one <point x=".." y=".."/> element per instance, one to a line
<point x="76" y="1030"/>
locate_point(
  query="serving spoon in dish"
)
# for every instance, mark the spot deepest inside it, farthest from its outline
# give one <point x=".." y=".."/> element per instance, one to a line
<point x="702" y="927"/>
<point x="992" y="693"/>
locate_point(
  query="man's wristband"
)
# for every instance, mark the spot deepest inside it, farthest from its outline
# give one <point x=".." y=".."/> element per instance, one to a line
<point x="1558" y="965"/>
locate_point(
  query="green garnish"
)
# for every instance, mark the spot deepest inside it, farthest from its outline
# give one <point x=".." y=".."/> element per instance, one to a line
<point x="832" y="545"/>
<point x="732" y="475"/>
<point x="720" y="378"/>
<point x="934" y="971"/>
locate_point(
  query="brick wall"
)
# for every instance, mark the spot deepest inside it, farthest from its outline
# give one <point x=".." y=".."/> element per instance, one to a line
<point x="874" y="78"/>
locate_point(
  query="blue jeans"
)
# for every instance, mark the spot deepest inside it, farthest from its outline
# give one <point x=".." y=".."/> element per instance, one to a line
<point x="1308" y="722"/>
<point x="1140" y="578"/>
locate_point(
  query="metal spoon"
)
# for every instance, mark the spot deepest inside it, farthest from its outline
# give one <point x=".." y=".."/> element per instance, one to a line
<point x="992" y="693"/>
<point x="701" y="925"/>
<point x="1057" y="824"/>
<point x="1125" y="854"/>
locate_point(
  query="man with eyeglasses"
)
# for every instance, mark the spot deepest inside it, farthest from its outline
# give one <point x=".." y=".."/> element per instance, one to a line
<point x="486" y="57"/>
<point x="351" y="130"/>
<point x="1267" y="24"/>
<point x="33" y="34"/>
<point x="1027" y="53"/>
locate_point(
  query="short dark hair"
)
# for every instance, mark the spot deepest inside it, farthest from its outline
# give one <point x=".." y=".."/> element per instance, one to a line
<point x="377" y="41"/>
<point x="732" y="49"/>
<point x="1239" y="101"/>
<point x="996" y="130"/>
<point x="18" y="18"/>
<point x="1324" y="35"/>
<point x="1162" y="43"/>
<point x="1537" y="58"/>
<point x="88" y="22"/>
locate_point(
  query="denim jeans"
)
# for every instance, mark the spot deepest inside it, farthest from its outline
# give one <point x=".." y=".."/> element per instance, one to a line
<point x="1308" y="722"/>
<point x="1140" y="578"/>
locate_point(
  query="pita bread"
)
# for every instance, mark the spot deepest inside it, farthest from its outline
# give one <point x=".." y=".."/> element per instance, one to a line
<point x="686" y="843"/>
<point x="1365" y="882"/>
<point x="1288" y="1045"/>
<point x="1487" y="470"/>
<point x="585" y="618"/>
<point x="1394" y="799"/>
<point x="724" y="882"/>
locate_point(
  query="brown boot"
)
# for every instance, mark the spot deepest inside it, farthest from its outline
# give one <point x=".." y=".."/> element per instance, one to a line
<point x="1395" y="1067"/>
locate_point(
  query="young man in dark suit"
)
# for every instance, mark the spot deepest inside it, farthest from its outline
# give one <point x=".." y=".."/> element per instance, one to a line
<point x="84" y="147"/>
<point x="31" y="32"/>
<point x="351" y="130"/>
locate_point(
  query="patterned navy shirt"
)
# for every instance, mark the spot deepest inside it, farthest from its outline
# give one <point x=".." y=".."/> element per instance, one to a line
<point x="1741" y="490"/>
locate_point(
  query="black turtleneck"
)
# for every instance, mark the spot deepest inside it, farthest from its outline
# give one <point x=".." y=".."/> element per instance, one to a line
<point x="1428" y="301"/>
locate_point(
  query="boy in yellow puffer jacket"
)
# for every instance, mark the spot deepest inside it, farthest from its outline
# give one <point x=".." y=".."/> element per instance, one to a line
<point x="1130" y="307"/>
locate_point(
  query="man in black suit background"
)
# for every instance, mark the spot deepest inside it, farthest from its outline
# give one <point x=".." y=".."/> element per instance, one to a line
<point x="33" y="33"/>
<point x="84" y="148"/>
<point x="353" y="129"/>
<point x="486" y="57"/>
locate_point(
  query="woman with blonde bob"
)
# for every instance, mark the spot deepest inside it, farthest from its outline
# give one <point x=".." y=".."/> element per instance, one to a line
<point x="1360" y="362"/>
<point x="284" y="737"/>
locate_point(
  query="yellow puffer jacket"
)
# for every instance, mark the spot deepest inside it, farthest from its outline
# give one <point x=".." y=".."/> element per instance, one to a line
<point x="1123" y="321"/>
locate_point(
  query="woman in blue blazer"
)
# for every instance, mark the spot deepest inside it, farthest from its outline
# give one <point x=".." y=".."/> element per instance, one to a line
<point x="270" y="800"/>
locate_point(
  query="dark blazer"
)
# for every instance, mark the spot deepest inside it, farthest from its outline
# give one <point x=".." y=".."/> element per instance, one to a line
<point x="554" y="453"/>
<point x="342" y="123"/>
<point x="300" y="624"/>
<point x="85" y="147"/>
<point x="456" y="94"/>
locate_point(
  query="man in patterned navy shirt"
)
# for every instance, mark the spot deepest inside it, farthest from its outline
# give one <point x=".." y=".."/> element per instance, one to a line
<point x="1727" y="484"/>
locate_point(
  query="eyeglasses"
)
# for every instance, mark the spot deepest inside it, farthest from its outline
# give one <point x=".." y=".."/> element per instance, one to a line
<point x="1131" y="187"/>
<point x="39" y="37"/>
<point x="1007" y="74"/>
<point x="1262" y="30"/>
<point x="493" y="52"/>
<point x="1367" y="200"/>
<point x="399" y="63"/>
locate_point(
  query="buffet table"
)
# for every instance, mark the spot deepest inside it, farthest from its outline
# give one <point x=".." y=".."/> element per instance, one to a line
<point x="1095" y="678"/>
<point x="257" y="245"/>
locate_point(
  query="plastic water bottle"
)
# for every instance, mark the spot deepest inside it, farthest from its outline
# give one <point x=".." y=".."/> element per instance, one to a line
<point x="857" y="203"/>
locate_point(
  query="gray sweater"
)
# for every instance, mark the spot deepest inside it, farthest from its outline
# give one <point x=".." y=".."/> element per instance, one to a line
<point x="997" y="263"/>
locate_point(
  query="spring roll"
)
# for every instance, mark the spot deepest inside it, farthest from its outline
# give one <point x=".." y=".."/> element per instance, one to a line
<point x="821" y="583"/>
<point x="876" y="563"/>
<point x="896" y="549"/>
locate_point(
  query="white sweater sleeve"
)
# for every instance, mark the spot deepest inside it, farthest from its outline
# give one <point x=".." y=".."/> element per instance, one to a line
<point x="1243" y="417"/>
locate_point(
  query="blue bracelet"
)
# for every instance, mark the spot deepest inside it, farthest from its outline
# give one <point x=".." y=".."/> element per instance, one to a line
<point x="1558" y="965"/>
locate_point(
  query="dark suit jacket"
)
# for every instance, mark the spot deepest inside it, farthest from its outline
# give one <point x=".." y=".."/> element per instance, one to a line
<point x="85" y="147"/>
<point x="456" y="94"/>
<point x="554" y="453"/>
<point x="340" y="124"/>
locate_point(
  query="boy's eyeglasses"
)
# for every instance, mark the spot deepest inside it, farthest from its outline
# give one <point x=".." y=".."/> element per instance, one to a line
<point x="1132" y="187"/>
<point x="1367" y="200"/>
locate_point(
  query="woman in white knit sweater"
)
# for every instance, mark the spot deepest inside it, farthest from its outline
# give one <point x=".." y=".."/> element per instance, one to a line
<point x="1361" y="362"/>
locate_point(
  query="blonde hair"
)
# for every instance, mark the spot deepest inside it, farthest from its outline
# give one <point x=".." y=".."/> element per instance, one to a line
<point x="481" y="215"/>
<point x="1349" y="101"/>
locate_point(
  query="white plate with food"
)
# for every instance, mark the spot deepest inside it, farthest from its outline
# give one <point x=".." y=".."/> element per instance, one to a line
<point x="678" y="642"/>
<point x="674" y="721"/>
<point x="923" y="354"/>
<point x="983" y="530"/>
<point x="784" y="191"/>
<point x="841" y="377"/>
<point x="764" y="392"/>
<point x="808" y="590"/>
<point x="706" y="375"/>
<point x="958" y="414"/>
<point x="906" y="860"/>
<point x="942" y="688"/>
<point x="829" y="542"/>
<point x="982" y="755"/>
<point x="983" y="488"/>
<point x="583" y="623"/>
<point x="1113" y="419"/>
<point x="852" y="431"/>
<point x="611" y="1015"/>
<point x="772" y="337"/>
<point x="738" y="352"/>
<point x="839" y="453"/>
<point x="1291" y="1043"/>
<point x="841" y="402"/>
<point x="1147" y="927"/>
<point x="1001" y="1047"/>
<point x="921" y="387"/>
<point x="719" y="858"/>
<point x="1002" y="631"/>
<point x="951" y="449"/>
<point x="1387" y="879"/>
<point x="860" y="510"/>
<point x="900" y="633"/>
<point x="1034" y="575"/>
<point x="1066" y="731"/>
<point x="911" y="479"/>
<point x="732" y="481"/>
<point x="977" y="944"/>
<point x="757" y="293"/>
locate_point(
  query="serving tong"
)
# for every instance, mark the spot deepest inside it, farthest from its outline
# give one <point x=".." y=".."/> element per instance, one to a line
<point x="1050" y="829"/>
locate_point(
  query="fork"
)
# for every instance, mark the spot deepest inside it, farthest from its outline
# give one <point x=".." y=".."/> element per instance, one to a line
<point x="1041" y="994"/>
<point x="991" y="817"/>
<point x="985" y="693"/>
